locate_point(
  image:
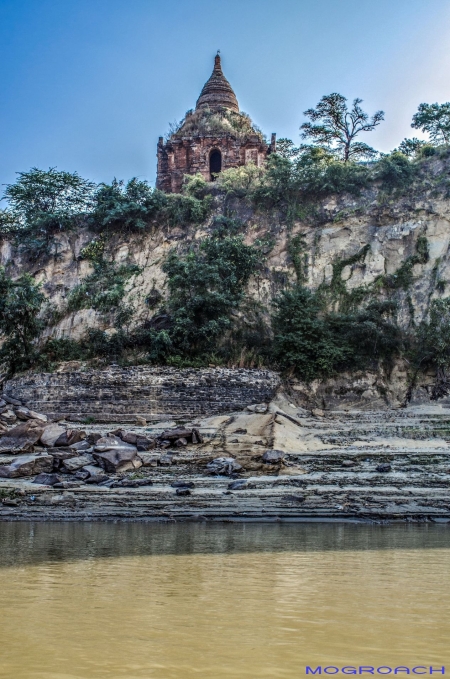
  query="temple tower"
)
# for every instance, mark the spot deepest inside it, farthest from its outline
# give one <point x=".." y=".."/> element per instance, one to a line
<point x="212" y="138"/>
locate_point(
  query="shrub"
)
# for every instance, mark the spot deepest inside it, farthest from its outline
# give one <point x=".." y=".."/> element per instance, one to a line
<point x="312" y="343"/>
<point x="395" y="171"/>
<point x="104" y="289"/>
<point x="21" y="301"/>
<point x="43" y="203"/>
<point x="205" y="286"/>
<point x="240" y="181"/>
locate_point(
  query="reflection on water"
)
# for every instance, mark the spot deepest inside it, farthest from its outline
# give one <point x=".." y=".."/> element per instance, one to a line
<point x="178" y="601"/>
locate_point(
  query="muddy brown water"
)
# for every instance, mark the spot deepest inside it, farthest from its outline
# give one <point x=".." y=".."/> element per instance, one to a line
<point x="185" y="601"/>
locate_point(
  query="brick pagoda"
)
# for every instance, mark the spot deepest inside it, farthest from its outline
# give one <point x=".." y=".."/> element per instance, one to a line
<point x="214" y="137"/>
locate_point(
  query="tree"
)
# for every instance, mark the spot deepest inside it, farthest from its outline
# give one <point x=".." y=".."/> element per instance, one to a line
<point x="286" y="148"/>
<point x="434" y="119"/>
<point x="411" y="147"/>
<point x="432" y="346"/>
<point x="206" y="286"/>
<point x="20" y="303"/>
<point x="337" y="127"/>
<point x="54" y="194"/>
<point x="42" y="203"/>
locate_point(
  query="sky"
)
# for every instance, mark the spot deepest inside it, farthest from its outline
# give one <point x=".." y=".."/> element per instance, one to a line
<point x="90" y="85"/>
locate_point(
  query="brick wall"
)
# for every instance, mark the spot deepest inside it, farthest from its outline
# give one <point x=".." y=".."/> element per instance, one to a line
<point x="119" y="394"/>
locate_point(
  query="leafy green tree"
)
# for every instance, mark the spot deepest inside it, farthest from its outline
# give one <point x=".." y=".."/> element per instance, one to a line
<point x="303" y="341"/>
<point x="313" y="343"/>
<point x="44" y="202"/>
<point x="205" y="287"/>
<point x="431" y="345"/>
<point x="336" y="127"/>
<point x="127" y="207"/>
<point x="21" y="300"/>
<point x="286" y="148"/>
<point x="411" y="147"/>
<point x="395" y="170"/>
<point x="434" y="119"/>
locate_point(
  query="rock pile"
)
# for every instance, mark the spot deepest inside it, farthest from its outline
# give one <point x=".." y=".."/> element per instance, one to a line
<point x="64" y="457"/>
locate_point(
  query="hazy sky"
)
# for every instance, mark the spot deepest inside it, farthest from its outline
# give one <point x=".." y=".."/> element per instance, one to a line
<point x="89" y="85"/>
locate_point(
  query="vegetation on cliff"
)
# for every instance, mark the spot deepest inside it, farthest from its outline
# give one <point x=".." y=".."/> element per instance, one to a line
<point x="206" y="315"/>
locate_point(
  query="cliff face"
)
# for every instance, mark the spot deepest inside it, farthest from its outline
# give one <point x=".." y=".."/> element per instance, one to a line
<point x="357" y="247"/>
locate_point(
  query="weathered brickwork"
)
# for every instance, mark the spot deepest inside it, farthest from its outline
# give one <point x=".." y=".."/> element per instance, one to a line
<point x="192" y="154"/>
<point x="123" y="393"/>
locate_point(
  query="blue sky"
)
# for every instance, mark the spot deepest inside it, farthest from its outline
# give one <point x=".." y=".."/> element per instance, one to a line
<point x="89" y="85"/>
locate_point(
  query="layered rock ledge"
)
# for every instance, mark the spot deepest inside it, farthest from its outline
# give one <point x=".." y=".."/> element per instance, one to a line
<point x="273" y="461"/>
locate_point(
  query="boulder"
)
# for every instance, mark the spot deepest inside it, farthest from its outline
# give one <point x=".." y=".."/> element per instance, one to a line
<point x="181" y="442"/>
<point x="141" y="421"/>
<point x="93" y="437"/>
<point x="113" y="454"/>
<point x="174" y="434"/>
<point x="273" y="456"/>
<point x="183" y="484"/>
<point x="238" y="485"/>
<point x="81" y="475"/>
<point x="51" y="434"/>
<point x="22" y="413"/>
<point x="128" y="437"/>
<point x="8" y="417"/>
<point x="96" y="474"/>
<point x="111" y="442"/>
<point x="384" y="468"/>
<point x="22" y="438"/>
<point x="70" y="437"/>
<point x="183" y="491"/>
<point x="223" y="465"/>
<point x="27" y="465"/>
<point x="133" y="483"/>
<point x="144" y="443"/>
<point x="80" y="446"/>
<point x="318" y="412"/>
<point x="38" y="416"/>
<point x="47" y="479"/>
<point x="150" y="459"/>
<point x="258" y="408"/>
<point x="73" y="464"/>
<point x="10" y="399"/>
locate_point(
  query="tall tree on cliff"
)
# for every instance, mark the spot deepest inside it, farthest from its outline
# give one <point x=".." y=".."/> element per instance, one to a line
<point x="334" y="126"/>
<point x="434" y="119"/>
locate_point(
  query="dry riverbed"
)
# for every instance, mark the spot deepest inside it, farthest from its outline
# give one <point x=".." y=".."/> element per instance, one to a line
<point x="267" y="462"/>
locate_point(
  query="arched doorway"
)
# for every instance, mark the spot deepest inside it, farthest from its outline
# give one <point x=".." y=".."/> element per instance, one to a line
<point x="215" y="163"/>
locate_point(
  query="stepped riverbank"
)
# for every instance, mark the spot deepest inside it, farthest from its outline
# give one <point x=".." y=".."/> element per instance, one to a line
<point x="272" y="462"/>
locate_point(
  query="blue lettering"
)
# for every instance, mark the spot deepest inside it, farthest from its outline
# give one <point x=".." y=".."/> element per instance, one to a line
<point x="348" y="670"/>
<point x="366" y="668"/>
<point x="419" y="667"/>
<point x="309" y="670"/>
<point x="384" y="667"/>
<point x="327" y="670"/>
<point x="402" y="668"/>
<point x="442" y="670"/>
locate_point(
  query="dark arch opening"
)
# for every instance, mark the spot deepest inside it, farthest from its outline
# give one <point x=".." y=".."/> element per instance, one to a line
<point x="215" y="163"/>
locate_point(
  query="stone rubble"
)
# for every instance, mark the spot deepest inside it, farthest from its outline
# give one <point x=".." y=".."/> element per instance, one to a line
<point x="276" y="463"/>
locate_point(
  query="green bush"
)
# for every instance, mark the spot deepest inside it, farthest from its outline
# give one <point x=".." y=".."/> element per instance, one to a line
<point x="21" y="302"/>
<point x="104" y="289"/>
<point x="131" y="207"/>
<point x="395" y="171"/>
<point x="205" y="286"/>
<point x="43" y="203"/>
<point x="312" y="343"/>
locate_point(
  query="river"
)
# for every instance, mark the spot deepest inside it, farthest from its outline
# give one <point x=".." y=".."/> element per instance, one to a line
<point x="244" y="601"/>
